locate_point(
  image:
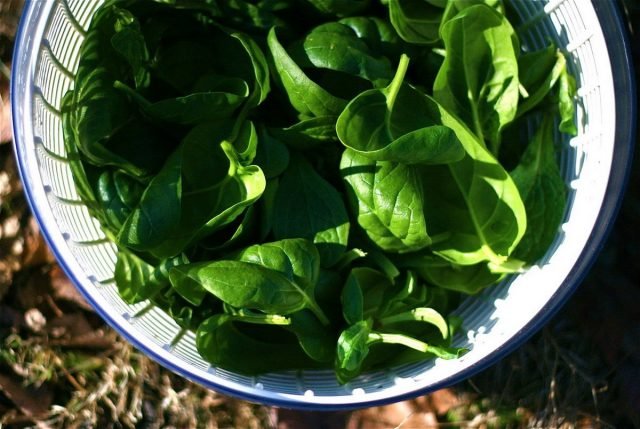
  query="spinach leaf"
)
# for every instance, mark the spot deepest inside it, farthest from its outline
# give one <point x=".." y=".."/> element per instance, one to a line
<point x="437" y="271"/>
<point x="538" y="73"/>
<point x="543" y="190"/>
<point x="420" y="314"/>
<point x="158" y="213"/>
<point x="372" y="126"/>
<point x="133" y="277"/>
<point x="478" y="80"/>
<point x="193" y="108"/>
<point x="416" y="21"/>
<point x="297" y="259"/>
<point x="353" y="348"/>
<point x="221" y="342"/>
<point x="271" y="154"/>
<point x="317" y="213"/>
<point x="137" y="280"/>
<point x="335" y="46"/>
<point x="352" y="299"/>
<point x="309" y="132"/>
<point x="387" y="198"/>
<point x="248" y="285"/>
<point x="202" y="187"/>
<point x="129" y="42"/>
<point x="306" y="96"/>
<point x="473" y="205"/>
<point x="378" y="34"/>
<point x="316" y="340"/>
<point x="339" y="7"/>
<point x="566" y="103"/>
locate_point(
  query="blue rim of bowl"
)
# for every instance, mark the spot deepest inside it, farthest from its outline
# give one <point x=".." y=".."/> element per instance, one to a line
<point x="613" y="27"/>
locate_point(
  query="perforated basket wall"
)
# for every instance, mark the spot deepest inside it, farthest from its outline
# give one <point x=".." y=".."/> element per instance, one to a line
<point x="593" y="164"/>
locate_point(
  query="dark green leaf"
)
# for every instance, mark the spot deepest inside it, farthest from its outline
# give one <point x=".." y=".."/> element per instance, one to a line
<point x="305" y="96"/>
<point x="543" y="190"/>
<point x="416" y="21"/>
<point x="353" y="348"/>
<point x="317" y="213"/>
<point x="220" y="342"/>
<point x="247" y="285"/>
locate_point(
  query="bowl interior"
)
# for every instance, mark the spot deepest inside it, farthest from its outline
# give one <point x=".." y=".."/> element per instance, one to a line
<point x="45" y="61"/>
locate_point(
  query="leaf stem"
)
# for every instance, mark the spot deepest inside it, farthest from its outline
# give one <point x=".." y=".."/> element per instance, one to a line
<point x="394" y="87"/>
<point x="421" y="314"/>
<point x="315" y="308"/>
<point x="404" y="340"/>
<point x="267" y="319"/>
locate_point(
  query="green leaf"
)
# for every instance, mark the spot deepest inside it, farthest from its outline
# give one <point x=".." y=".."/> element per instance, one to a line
<point x="193" y="108"/>
<point x="129" y="42"/>
<point x="539" y="71"/>
<point x="335" y="46"/>
<point x="373" y="126"/>
<point x="138" y="280"/>
<point x="159" y="210"/>
<point x="247" y="285"/>
<point x="339" y="7"/>
<point x="352" y="301"/>
<point x="222" y="343"/>
<point x="437" y="271"/>
<point x="260" y="67"/>
<point x="544" y="192"/>
<point x="297" y="259"/>
<point x="416" y="21"/>
<point x="378" y="34"/>
<point x="316" y="213"/>
<point x="272" y="156"/>
<point x="373" y="286"/>
<point x="353" y="348"/>
<point x="314" y="337"/>
<point x="387" y="198"/>
<point x="478" y="80"/>
<point x="202" y="188"/>
<point x="475" y="207"/>
<point x="566" y="103"/>
<point x="305" y="96"/>
<point x="133" y="277"/>
<point x="309" y="132"/>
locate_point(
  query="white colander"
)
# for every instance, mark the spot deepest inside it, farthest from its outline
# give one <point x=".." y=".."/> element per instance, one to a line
<point x="594" y="165"/>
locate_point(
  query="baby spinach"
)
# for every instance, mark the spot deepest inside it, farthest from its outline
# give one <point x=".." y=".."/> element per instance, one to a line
<point x="248" y="285"/>
<point x="388" y="199"/>
<point x="317" y="213"/>
<point x="478" y="80"/>
<point x="540" y="183"/>
<point x="372" y="126"/>
<point x="306" y="96"/>
<point x="313" y="196"/>
<point x="416" y="21"/>
<point x="336" y="46"/>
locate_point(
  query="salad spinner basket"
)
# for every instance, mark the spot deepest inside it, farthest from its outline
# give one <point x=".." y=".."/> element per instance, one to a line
<point x="594" y="165"/>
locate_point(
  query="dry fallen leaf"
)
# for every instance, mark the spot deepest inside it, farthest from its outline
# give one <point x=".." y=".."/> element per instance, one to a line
<point x="31" y="401"/>
<point x="35" y="251"/>
<point x="403" y="415"/>
<point x="64" y="290"/>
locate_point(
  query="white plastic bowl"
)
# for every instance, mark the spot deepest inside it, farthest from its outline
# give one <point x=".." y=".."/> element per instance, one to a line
<point x="594" y="163"/>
